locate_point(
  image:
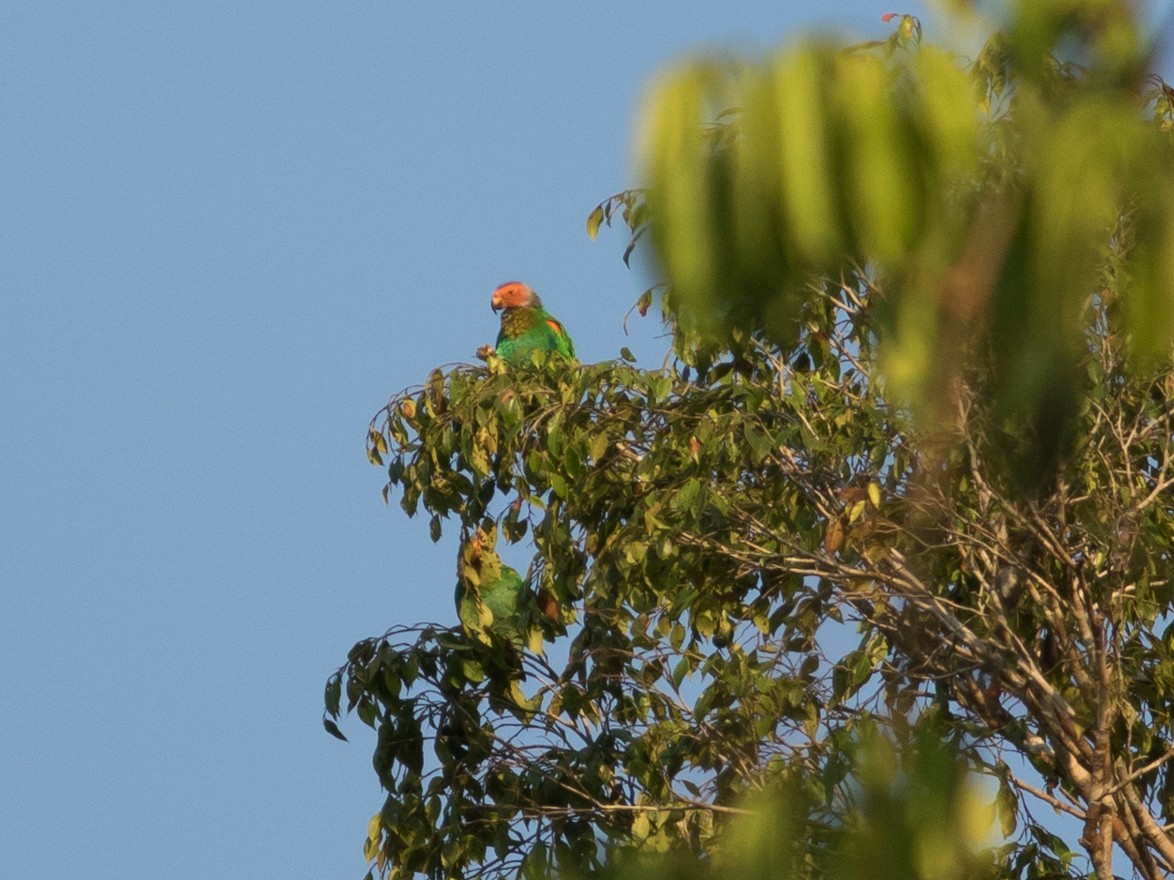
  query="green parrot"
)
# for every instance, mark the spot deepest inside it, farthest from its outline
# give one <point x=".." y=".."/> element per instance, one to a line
<point x="487" y="588"/>
<point x="526" y="326"/>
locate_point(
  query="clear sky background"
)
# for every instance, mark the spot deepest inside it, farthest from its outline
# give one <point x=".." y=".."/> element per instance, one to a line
<point x="228" y="232"/>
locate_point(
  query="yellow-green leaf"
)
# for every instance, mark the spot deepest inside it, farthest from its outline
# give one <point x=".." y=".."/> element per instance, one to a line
<point x="598" y="447"/>
<point x="594" y="221"/>
<point x="641" y="827"/>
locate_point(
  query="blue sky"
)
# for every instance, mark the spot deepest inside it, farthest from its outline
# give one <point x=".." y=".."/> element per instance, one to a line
<point x="228" y="233"/>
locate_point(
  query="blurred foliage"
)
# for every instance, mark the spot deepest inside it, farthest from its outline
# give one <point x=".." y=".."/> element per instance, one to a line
<point x="767" y="619"/>
<point x="987" y="195"/>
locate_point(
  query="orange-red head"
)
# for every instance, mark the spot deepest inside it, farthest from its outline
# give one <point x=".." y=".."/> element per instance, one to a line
<point x="513" y="295"/>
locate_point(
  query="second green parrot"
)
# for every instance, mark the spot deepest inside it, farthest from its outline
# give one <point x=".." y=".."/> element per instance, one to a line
<point x="486" y="584"/>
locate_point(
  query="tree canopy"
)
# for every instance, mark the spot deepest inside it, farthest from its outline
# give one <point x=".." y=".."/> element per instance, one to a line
<point x="874" y="576"/>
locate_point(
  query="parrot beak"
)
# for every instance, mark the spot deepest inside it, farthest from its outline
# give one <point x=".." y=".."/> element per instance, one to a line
<point x="495" y="304"/>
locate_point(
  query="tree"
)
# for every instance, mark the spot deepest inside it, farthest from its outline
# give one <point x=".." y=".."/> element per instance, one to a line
<point x="891" y="537"/>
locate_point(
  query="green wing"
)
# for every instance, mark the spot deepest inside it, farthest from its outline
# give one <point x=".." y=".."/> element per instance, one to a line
<point x="557" y="337"/>
<point x="532" y="329"/>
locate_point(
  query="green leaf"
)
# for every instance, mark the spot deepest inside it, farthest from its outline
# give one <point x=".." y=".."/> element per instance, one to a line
<point x="680" y="671"/>
<point x="333" y="695"/>
<point x="760" y="444"/>
<point x="473" y="671"/>
<point x="559" y="485"/>
<point x="598" y="447"/>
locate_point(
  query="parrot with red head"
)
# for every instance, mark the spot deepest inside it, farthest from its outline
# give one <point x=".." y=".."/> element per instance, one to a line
<point x="526" y="326"/>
